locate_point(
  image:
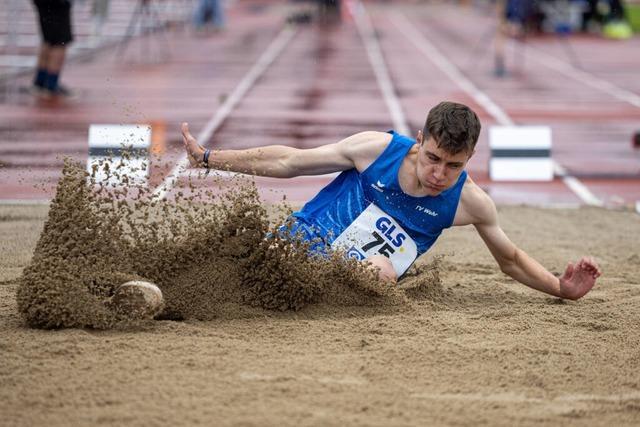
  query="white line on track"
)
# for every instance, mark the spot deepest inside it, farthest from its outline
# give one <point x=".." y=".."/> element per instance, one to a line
<point x="421" y="43"/>
<point x="365" y="28"/>
<point x="585" y="78"/>
<point x="266" y="59"/>
<point x="20" y="202"/>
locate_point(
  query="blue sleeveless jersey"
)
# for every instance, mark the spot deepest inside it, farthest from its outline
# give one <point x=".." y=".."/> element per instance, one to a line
<point x="338" y="204"/>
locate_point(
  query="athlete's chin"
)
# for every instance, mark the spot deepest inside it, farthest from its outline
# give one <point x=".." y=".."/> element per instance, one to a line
<point x="433" y="190"/>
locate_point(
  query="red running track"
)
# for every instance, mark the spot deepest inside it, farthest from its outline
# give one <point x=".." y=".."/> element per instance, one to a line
<point x="322" y="87"/>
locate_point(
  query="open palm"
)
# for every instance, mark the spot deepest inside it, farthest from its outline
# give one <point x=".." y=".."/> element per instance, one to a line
<point x="579" y="278"/>
<point x="195" y="151"/>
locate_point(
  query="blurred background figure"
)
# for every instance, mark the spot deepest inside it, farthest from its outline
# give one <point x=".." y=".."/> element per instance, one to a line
<point x="329" y="11"/>
<point x="99" y="15"/>
<point x="519" y="18"/>
<point x="599" y="11"/>
<point x="209" y="13"/>
<point x="608" y="17"/>
<point x="324" y="12"/>
<point x="55" y="29"/>
<point x="512" y="19"/>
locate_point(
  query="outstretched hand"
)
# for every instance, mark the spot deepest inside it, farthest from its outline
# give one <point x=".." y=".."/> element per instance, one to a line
<point x="195" y="151"/>
<point x="579" y="278"/>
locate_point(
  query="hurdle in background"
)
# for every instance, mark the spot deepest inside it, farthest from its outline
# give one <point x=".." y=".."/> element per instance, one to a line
<point x="108" y="144"/>
<point x="520" y="153"/>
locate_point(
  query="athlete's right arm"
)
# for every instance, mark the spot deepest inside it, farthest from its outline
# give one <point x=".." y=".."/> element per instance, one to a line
<point x="279" y="161"/>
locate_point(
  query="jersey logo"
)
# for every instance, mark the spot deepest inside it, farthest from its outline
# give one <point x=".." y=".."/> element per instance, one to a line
<point x="378" y="186"/>
<point x="426" y="210"/>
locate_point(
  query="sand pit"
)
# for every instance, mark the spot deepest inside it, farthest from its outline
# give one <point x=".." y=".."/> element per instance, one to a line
<point x="459" y="344"/>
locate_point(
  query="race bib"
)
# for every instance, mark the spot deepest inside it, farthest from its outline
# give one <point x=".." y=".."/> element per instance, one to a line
<point x="375" y="233"/>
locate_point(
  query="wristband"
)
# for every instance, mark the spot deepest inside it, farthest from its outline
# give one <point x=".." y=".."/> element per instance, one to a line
<point x="205" y="161"/>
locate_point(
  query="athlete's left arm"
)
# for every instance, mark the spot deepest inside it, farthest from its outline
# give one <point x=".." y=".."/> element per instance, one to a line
<point x="577" y="280"/>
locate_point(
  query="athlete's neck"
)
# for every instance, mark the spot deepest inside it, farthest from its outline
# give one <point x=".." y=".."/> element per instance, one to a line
<point x="408" y="177"/>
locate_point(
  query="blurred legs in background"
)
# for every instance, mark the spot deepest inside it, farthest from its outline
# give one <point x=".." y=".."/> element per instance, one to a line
<point x="329" y="11"/>
<point x="55" y="27"/>
<point x="99" y="15"/>
<point x="209" y="11"/>
<point x="512" y="16"/>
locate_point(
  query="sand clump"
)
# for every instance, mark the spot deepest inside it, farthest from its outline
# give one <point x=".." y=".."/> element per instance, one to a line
<point x="205" y="249"/>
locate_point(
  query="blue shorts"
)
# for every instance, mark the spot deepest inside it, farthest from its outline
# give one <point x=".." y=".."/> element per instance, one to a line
<point x="297" y="228"/>
<point x="518" y="11"/>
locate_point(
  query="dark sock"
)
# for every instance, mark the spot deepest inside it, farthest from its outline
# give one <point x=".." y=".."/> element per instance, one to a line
<point x="41" y="77"/>
<point x="52" y="82"/>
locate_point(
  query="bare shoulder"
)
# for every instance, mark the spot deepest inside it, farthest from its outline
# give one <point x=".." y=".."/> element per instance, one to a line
<point x="475" y="207"/>
<point x="364" y="147"/>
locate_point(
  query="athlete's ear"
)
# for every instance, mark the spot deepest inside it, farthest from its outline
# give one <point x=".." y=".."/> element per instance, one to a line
<point x="420" y="137"/>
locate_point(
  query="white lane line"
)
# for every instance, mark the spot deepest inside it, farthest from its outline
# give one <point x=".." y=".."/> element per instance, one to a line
<point x="421" y="43"/>
<point x="20" y="202"/>
<point x="266" y="59"/>
<point x="581" y="190"/>
<point x="448" y="68"/>
<point x="365" y="28"/>
<point x="585" y="78"/>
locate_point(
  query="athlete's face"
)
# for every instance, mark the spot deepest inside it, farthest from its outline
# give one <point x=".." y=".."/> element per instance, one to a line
<point x="437" y="169"/>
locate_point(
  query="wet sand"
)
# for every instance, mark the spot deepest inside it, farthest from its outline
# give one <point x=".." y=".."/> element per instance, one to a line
<point x="474" y="349"/>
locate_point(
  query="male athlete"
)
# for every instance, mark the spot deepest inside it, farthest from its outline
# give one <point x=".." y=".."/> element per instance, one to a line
<point x="395" y="195"/>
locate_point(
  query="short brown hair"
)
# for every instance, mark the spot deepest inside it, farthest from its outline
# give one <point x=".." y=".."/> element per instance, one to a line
<point x="454" y="127"/>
